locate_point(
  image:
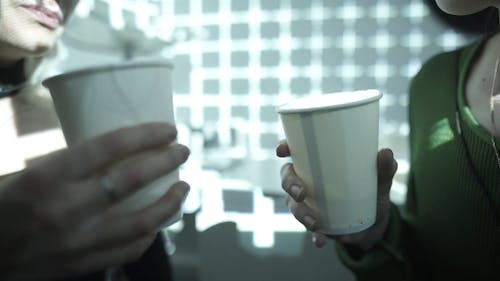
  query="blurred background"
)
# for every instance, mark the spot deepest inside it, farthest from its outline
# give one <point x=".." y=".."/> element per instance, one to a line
<point x="235" y="62"/>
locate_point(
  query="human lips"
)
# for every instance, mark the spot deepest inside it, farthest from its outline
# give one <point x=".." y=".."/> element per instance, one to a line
<point x="48" y="17"/>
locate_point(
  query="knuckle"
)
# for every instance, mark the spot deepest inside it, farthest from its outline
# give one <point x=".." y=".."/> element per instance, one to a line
<point x="288" y="198"/>
<point x="53" y="217"/>
<point x="114" y="151"/>
<point x="299" y="218"/>
<point x="285" y="169"/>
<point x="292" y="206"/>
<point x="287" y="182"/>
<point x="88" y="153"/>
<point x="299" y="212"/>
<point x="132" y="178"/>
<point x="111" y="144"/>
<point x="143" y="226"/>
<point x="113" y="139"/>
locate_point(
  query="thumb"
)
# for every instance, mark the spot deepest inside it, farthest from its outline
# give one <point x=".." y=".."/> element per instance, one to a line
<point x="386" y="169"/>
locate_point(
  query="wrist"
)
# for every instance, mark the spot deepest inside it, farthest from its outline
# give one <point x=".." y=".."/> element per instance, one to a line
<point x="357" y="250"/>
<point x="377" y="233"/>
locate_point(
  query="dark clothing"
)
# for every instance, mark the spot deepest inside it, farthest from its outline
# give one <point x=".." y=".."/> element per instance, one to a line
<point x="154" y="265"/>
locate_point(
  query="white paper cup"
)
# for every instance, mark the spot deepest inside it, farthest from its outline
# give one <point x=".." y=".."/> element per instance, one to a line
<point x="333" y="139"/>
<point x="94" y="101"/>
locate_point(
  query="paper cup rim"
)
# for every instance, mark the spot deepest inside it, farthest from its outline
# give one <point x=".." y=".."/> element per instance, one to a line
<point x="107" y="67"/>
<point x="303" y="105"/>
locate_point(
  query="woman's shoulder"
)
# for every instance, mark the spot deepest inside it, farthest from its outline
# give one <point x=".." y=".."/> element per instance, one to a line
<point x="444" y="67"/>
<point x="439" y="70"/>
<point x="446" y="63"/>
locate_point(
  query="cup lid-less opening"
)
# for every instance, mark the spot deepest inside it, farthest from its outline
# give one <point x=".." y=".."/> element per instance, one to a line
<point x="108" y="67"/>
<point x="330" y="101"/>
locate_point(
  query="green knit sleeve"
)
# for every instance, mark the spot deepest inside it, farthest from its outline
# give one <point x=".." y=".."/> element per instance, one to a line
<point x="395" y="257"/>
<point x="385" y="261"/>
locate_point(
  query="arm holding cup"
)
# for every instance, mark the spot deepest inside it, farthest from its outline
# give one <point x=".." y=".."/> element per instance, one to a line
<point x="56" y="220"/>
<point x="371" y="254"/>
<point x="338" y="185"/>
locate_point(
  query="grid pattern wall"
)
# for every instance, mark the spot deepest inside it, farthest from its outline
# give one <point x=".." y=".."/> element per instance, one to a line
<point x="145" y="15"/>
<point x="237" y="60"/>
<point x="245" y="57"/>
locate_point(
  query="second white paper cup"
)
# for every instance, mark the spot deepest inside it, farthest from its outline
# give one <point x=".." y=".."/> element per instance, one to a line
<point x="333" y="139"/>
<point x="94" y="101"/>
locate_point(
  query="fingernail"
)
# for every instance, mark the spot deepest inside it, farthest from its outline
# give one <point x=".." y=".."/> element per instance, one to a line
<point x="187" y="150"/>
<point x="184" y="191"/>
<point x="184" y="150"/>
<point x="310" y="222"/>
<point x="185" y="196"/>
<point x="296" y="191"/>
<point x="171" y="131"/>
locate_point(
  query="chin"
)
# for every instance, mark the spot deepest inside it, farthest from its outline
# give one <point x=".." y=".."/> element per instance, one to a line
<point x="23" y="33"/>
<point x="38" y="49"/>
<point x="37" y="43"/>
<point x="41" y="48"/>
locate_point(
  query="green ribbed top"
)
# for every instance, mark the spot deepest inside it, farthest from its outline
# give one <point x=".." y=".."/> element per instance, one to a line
<point x="447" y="230"/>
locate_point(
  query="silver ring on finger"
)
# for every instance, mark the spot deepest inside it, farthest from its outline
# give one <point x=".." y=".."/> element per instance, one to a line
<point x="108" y="188"/>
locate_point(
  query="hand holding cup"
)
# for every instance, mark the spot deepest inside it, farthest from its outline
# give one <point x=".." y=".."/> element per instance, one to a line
<point x="333" y="142"/>
<point x="296" y="194"/>
<point x="56" y="220"/>
<point x="96" y="100"/>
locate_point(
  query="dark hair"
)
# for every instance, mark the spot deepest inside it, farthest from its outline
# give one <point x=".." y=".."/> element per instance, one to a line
<point x="485" y="21"/>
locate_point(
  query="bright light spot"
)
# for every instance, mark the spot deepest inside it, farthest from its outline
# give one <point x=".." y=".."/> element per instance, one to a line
<point x="263" y="235"/>
<point x="450" y="40"/>
<point x="416" y="11"/>
<point x="349" y="70"/>
<point x="404" y="129"/>
<point x="116" y="15"/>
<point x="416" y="41"/>
<point x="382" y="71"/>
<point x="350" y="12"/>
<point x="84" y="8"/>
<point x="382" y="41"/>
<point x="411" y="68"/>
<point x="350" y="42"/>
<point x="383" y="11"/>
